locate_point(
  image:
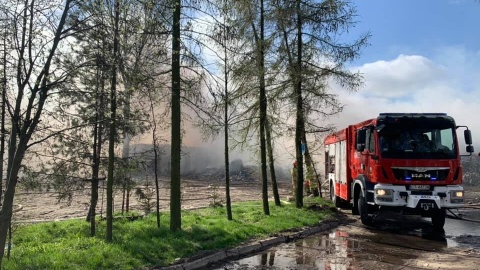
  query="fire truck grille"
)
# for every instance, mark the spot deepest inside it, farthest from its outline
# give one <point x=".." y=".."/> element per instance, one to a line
<point x="413" y="175"/>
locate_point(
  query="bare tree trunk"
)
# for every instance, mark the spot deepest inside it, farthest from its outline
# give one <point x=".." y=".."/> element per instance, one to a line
<point x="12" y="179"/>
<point x="227" y="170"/>
<point x="9" y="241"/>
<point x="2" y="128"/>
<point x="156" y="157"/>
<point x="175" y="182"/>
<point x="300" y="122"/>
<point x="263" y="112"/>
<point x="157" y="186"/>
<point x="95" y="168"/>
<point x="127" y="209"/>
<point x="126" y="151"/>
<point x="111" y="145"/>
<point x="273" y="177"/>
<point x="97" y="151"/>
<point x="227" y="159"/>
<point x="226" y="126"/>
<point x="124" y="190"/>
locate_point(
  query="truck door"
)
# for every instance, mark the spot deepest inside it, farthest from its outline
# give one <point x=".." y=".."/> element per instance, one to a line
<point x="368" y="151"/>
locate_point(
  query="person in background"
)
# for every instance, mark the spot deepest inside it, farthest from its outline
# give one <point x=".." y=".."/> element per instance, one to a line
<point x="311" y="182"/>
<point x="293" y="172"/>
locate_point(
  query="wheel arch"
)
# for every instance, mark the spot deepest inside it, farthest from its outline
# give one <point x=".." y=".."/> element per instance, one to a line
<point x="359" y="185"/>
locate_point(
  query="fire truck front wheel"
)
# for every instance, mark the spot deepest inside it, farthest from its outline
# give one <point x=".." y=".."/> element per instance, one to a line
<point x="438" y="219"/>
<point x="363" y="210"/>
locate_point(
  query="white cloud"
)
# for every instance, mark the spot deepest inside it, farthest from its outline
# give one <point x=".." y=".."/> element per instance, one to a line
<point x="448" y="82"/>
<point x="400" y="77"/>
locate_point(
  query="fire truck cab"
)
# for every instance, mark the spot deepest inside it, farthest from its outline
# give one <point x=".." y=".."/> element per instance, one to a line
<point x="407" y="163"/>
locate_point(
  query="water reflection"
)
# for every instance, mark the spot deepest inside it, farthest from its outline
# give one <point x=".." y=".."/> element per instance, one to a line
<point x="267" y="257"/>
<point x="414" y="227"/>
<point x="327" y="251"/>
<point x="392" y="243"/>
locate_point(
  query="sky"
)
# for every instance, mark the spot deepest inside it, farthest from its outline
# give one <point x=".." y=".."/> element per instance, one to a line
<point x="424" y="56"/>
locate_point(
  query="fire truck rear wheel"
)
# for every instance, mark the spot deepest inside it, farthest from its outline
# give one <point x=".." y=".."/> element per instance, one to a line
<point x="363" y="210"/>
<point x="438" y="219"/>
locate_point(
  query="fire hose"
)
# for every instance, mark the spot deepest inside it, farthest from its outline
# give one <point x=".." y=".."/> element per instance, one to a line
<point x="455" y="216"/>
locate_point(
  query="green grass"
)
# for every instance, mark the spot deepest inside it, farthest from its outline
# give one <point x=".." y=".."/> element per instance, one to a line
<point x="138" y="244"/>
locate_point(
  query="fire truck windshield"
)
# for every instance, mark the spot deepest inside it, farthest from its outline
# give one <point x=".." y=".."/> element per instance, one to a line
<point x="417" y="142"/>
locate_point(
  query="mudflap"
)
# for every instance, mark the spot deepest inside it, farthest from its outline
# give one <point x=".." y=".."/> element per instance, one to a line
<point x="438" y="219"/>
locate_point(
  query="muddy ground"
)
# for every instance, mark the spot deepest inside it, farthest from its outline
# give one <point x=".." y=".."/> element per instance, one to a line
<point x="33" y="206"/>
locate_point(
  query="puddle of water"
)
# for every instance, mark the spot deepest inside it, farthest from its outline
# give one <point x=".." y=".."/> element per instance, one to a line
<point x="464" y="233"/>
<point x="388" y="246"/>
<point x="332" y="251"/>
<point x="336" y="250"/>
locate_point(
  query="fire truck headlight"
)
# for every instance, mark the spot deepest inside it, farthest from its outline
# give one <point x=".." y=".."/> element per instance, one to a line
<point x="456" y="196"/>
<point x="384" y="192"/>
<point x="385" y="195"/>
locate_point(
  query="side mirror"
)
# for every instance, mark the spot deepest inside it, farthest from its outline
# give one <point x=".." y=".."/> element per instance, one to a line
<point x="468" y="137"/>
<point x="361" y="138"/>
<point x="470" y="149"/>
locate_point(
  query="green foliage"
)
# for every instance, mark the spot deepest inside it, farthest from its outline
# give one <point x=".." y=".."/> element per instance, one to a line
<point x="215" y="196"/>
<point x="146" y="198"/>
<point x="139" y="243"/>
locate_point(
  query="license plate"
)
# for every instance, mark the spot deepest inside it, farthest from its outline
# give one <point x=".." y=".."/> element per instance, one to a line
<point x="427" y="206"/>
<point x="419" y="187"/>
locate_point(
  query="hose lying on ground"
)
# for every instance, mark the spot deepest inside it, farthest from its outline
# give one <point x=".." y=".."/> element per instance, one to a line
<point x="455" y="216"/>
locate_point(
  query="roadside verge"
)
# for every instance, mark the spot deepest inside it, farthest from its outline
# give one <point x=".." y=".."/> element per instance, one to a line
<point x="253" y="247"/>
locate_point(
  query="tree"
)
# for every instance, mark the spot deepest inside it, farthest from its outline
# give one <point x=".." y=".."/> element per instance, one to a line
<point x="97" y="144"/>
<point x="226" y="35"/>
<point x="113" y="111"/>
<point x="260" y="42"/>
<point x="175" y="198"/>
<point x="3" y="101"/>
<point x="139" y="56"/>
<point x="271" y="161"/>
<point x="37" y="73"/>
<point x="313" y="53"/>
<point x="95" y="44"/>
<point x="156" y="159"/>
<point x="251" y="20"/>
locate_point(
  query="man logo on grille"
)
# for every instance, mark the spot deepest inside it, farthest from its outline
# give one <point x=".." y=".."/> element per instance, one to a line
<point x="421" y="175"/>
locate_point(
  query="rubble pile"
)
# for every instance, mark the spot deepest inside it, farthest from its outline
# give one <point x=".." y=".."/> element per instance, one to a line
<point x="238" y="173"/>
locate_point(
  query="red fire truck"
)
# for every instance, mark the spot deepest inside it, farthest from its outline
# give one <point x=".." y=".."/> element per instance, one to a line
<point x="408" y="163"/>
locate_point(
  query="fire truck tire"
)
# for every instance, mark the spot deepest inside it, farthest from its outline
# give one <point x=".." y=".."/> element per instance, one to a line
<point x="363" y="210"/>
<point x="438" y="219"/>
<point x="355" y="208"/>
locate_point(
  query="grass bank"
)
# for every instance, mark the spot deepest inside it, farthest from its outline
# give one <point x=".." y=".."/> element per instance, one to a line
<point x="140" y="244"/>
